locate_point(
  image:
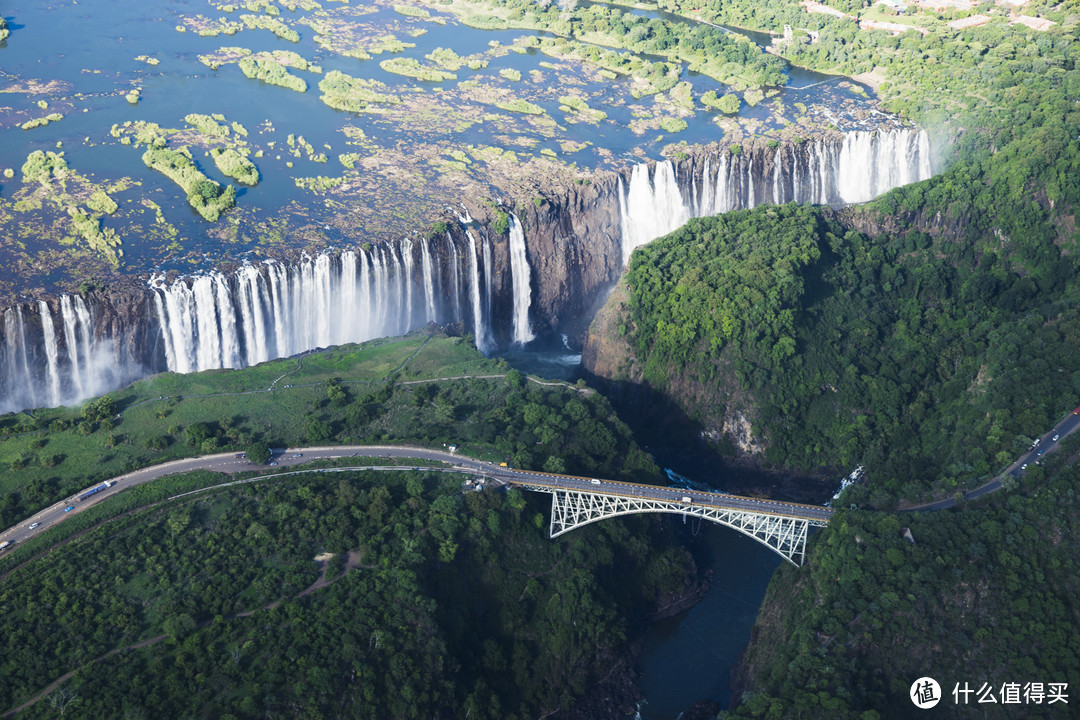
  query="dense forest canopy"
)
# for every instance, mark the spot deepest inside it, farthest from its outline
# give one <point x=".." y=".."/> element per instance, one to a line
<point x="985" y="597"/>
<point x="908" y="355"/>
<point x="442" y="603"/>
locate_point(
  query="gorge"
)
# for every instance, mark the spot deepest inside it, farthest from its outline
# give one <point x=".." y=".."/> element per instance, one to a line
<point x="544" y="275"/>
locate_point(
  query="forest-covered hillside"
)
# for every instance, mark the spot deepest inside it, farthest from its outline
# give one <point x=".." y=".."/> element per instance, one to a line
<point x="984" y="597"/>
<point x="926" y="335"/>
<point x="430" y="602"/>
<point x="927" y="361"/>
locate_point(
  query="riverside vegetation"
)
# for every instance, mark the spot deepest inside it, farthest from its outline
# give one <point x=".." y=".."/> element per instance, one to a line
<point x="897" y="351"/>
<point x="973" y="267"/>
<point x="928" y="336"/>
<point x="984" y="595"/>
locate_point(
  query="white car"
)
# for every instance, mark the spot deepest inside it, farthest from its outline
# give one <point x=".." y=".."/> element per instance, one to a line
<point x="34" y="525"/>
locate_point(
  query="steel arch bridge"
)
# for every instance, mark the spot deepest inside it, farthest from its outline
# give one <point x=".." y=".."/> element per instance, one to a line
<point x="782" y="527"/>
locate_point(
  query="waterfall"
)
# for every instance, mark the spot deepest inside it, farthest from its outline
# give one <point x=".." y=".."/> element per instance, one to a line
<point x="489" y="274"/>
<point x="72" y="343"/>
<point x="429" y="283"/>
<point x="519" y="270"/>
<point x="260" y="312"/>
<point x="652" y="206"/>
<point x="14" y="345"/>
<point x="858" y="168"/>
<point x="457" y="276"/>
<point x="407" y="258"/>
<point x="474" y="291"/>
<point x="208" y="352"/>
<point x="51" y="352"/>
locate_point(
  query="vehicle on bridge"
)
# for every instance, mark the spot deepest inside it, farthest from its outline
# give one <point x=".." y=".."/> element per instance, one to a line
<point x="687" y="499"/>
<point x="5" y="545"/>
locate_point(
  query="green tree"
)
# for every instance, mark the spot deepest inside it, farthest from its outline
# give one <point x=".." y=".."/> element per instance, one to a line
<point x="258" y="453"/>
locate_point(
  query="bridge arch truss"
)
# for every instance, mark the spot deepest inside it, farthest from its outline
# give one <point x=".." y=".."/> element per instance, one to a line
<point x="784" y="535"/>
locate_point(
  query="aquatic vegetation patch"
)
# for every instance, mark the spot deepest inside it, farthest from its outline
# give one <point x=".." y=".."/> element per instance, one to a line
<point x="447" y="59"/>
<point x="753" y="97"/>
<point x="319" y="183"/>
<point x="673" y="125"/>
<point x="206" y="196"/>
<point x="223" y="56"/>
<point x="411" y="67"/>
<point x="43" y="166"/>
<point x="578" y="111"/>
<point x="47" y="178"/>
<point x="208" y="27"/>
<point x="272" y="72"/>
<point x="412" y="11"/>
<point x="264" y="22"/>
<point x="208" y="125"/>
<point x="728" y="104"/>
<point x="42" y="121"/>
<point x="520" y="106"/>
<point x="511" y="74"/>
<point x="344" y="92"/>
<point x="235" y="165"/>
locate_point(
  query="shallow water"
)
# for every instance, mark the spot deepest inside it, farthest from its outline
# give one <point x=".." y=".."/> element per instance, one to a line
<point x="87" y="51"/>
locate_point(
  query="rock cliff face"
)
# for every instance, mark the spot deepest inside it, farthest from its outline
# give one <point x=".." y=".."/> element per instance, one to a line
<point x="716" y="411"/>
<point x="575" y="252"/>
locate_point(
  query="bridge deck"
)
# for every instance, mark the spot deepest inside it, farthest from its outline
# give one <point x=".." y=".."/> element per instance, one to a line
<point x="547" y="482"/>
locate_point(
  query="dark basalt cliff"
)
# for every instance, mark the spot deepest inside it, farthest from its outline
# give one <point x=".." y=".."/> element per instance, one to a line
<point x="575" y="253"/>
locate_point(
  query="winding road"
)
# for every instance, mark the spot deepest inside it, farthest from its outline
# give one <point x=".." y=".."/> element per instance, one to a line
<point x="232" y="463"/>
<point x="290" y="457"/>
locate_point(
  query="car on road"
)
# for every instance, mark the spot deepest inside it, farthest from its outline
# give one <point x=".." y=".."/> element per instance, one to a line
<point x="1056" y="436"/>
<point x="34" y="525"/>
<point x="1024" y="466"/>
<point x="1076" y="411"/>
<point x="69" y="508"/>
<point x="273" y="464"/>
<point x="298" y="455"/>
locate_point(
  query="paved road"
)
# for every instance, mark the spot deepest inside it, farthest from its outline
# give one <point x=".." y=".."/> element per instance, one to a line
<point x="547" y="482"/>
<point x="230" y="463"/>
<point x="1046" y="444"/>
